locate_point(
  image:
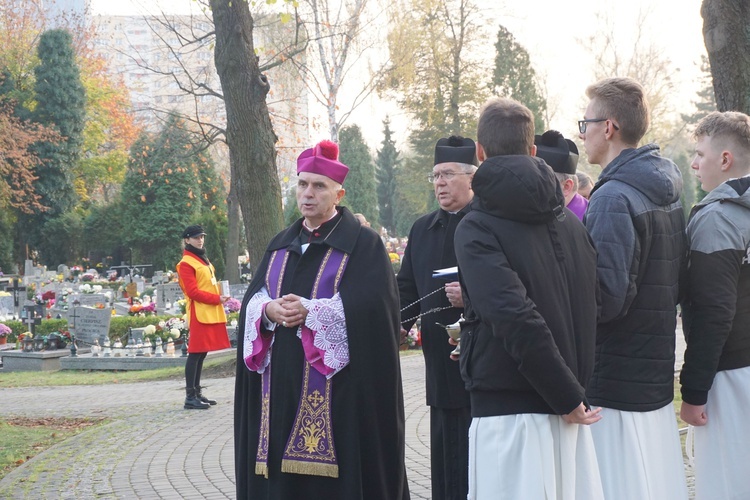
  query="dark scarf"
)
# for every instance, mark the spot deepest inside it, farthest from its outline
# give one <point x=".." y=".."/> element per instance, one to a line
<point x="199" y="252"/>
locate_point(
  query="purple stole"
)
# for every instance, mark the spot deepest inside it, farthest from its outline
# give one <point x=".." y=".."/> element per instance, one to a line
<point x="310" y="448"/>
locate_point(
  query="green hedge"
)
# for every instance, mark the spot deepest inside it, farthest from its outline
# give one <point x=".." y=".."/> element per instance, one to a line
<point x="118" y="326"/>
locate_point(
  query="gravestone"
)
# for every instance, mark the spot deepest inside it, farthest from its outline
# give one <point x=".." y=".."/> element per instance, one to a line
<point x="238" y="291"/>
<point x="158" y="278"/>
<point x="140" y="283"/>
<point x="7" y="308"/>
<point x="92" y="299"/>
<point x="19" y="295"/>
<point x="167" y="294"/>
<point x="64" y="270"/>
<point x="28" y="268"/>
<point x="89" y="324"/>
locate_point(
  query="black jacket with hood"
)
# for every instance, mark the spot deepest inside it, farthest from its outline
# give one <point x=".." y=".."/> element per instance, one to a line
<point x="527" y="268"/>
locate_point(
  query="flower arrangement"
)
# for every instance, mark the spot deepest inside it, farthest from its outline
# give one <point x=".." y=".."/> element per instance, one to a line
<point x="413" y="339"/>
<point x="176" y="325"/>
<point x="142" y="307"/>
<point x="232" y="305"/>
<point x="182" y="304"/>
<point x="48" y="295"/>
<point x="4" y="330"/>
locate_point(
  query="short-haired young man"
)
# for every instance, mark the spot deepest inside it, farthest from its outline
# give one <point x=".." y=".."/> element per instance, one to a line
<point x="716" y="310"/>
<point x="637" y="223"/>
<point x="527" y="269"/>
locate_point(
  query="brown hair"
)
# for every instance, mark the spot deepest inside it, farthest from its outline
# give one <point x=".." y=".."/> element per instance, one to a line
<point x="732" y="128"/>
<point x="506" y="127"/>
<point x="622" y="100"/>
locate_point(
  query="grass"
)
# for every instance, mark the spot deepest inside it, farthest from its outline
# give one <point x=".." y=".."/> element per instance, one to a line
<point x="23" y="438"/>
<point x="222" y="366"/>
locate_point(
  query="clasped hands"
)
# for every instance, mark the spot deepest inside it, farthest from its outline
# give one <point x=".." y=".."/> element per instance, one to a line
<point x="287" y="311"/>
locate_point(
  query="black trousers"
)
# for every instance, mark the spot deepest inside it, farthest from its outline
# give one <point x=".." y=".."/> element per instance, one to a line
<point x="449" y="452"/>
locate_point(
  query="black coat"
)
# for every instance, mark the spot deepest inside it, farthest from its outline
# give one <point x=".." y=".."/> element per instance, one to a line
<point x="425" y="253"/>
<point x="528" y="272"/>
<point x="367" y="406"/>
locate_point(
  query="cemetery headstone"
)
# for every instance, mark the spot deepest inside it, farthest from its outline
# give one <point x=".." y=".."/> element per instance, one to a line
<point x="64" y="270"/>
<point x="19" y="295"/>
<point x="7" y="308"/>
<point x="92" y="299"/>
<point x="238" y="291"/>
<point x="89" y="324"/>
<point x="140" y="284"/>
<point x="167" y="295"/>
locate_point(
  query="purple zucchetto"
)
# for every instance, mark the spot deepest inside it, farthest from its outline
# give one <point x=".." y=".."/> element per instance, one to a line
<point x="323" y="159"/>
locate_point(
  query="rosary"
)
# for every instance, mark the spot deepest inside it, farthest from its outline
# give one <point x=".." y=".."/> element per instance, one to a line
<point x="433" y="310"/>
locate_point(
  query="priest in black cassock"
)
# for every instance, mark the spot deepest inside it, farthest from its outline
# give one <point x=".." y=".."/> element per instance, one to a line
<point x="319" y="410"/>
<point x="430" y="247"/>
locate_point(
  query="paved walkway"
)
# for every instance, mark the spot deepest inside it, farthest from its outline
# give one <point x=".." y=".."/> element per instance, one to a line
<point x="152" y="448"/>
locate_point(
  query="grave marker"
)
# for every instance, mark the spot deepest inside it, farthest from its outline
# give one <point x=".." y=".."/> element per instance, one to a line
<point x="238" y="291"/>
<point x="89" y="324"/>
<point x="167" y="294"/>
<point x="92" y="299"/>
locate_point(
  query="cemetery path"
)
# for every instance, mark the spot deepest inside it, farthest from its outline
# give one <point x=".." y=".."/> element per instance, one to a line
<point x="152" y="448"/>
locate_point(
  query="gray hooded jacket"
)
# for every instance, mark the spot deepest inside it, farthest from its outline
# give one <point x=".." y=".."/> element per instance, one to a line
<point x="716" y="308"/>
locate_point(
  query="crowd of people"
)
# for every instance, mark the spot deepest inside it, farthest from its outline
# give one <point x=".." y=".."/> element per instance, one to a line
<point x="566" y="296"/>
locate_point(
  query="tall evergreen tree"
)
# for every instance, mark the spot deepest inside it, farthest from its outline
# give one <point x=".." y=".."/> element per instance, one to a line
<point x="387" y="161"/>
<point x="60" y="99"/>
<point x="161" y="195"/>
<point x="353" y="152"/>
<point x="514" y="77"/>
<point x="61" y="105"/>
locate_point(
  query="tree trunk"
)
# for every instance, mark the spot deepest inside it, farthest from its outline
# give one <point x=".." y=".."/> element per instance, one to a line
<point x="250" y="135"/>
<point x="232" y="271"/>
<point x="726" y="32"/>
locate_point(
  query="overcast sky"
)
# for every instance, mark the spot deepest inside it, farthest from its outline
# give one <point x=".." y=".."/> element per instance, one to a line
<point x="554" y="32"/>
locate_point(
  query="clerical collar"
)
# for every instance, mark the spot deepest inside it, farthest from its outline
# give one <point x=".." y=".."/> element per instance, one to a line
<point x="320" y="233"/>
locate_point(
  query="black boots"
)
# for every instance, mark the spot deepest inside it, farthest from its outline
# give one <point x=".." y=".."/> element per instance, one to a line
<point x="203" y="398"/>
<point x="192" y="402"/>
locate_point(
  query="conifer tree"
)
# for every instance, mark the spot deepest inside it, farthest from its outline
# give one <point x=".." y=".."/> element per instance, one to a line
<point x="514" y="77"/>
<point x="387" y="161"/>
<point x="161" y="195"/>
<point x="360" y="183"/>
<point x="60" y="105"/>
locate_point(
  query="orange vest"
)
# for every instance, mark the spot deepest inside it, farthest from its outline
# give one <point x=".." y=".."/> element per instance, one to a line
<point x="204" y="277"/>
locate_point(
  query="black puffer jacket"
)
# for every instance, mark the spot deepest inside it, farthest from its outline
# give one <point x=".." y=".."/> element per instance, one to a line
<point x="528" y="271"/>
<point x="638" y="225"/>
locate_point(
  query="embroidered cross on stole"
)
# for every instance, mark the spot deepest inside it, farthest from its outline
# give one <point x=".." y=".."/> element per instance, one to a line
<point x="310" y="448"/>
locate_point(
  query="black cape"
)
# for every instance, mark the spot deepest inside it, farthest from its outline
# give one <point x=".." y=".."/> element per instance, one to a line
<point x="367" y="406"/>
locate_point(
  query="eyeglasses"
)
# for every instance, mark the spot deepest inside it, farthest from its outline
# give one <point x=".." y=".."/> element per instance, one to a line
<point x="583" y="123"/>
<point x="445" y="175"/>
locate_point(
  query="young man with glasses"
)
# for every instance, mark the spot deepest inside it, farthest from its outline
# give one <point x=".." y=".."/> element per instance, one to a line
<point x="637" y="223"/>
<point x="430" y="247"/>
